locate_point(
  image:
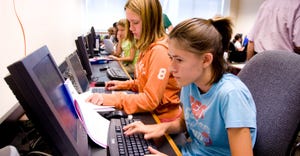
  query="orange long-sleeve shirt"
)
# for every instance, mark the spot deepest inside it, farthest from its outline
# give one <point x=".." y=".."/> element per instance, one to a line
<point x="157" y="88"/>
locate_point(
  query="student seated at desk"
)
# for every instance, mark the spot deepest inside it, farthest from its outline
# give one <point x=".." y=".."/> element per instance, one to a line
<point x="157" y="89"/>
<point x="219" y="111"/>
<point x="111" y="34"/>
<point x="237" y="41"/>
<point x="125" y="51"/>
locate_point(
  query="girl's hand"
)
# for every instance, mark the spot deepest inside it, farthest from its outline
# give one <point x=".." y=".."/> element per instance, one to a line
<point x="113" y="85"/>
<point x="113" y="57"/>
<point x="154" y="152"/>
<point x="149" y="131"/>
<point x="95" y="98"/>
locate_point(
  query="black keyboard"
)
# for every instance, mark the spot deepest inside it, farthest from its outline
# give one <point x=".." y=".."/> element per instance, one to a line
<point x="121" y="145"/>
<point x="100" y="90"/>
<point x="116" y="74"/>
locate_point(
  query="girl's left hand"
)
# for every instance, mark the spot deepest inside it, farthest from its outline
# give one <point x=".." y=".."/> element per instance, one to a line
<point x="113" y="57"/>
<point x="95" y="98"/>
<point x="154" y="152"/>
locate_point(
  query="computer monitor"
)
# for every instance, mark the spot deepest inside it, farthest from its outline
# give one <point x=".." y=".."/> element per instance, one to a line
<point x="94" y="36"/>
<point x="91" y="43"/>
<point x="63" y="68"/>
<point x="39" y="87"/>
<point x="82" y="53"/>
<point x="77" y="74"/>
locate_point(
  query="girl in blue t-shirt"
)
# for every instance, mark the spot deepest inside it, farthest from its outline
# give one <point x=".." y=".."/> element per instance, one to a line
<point x="219" y="111"/>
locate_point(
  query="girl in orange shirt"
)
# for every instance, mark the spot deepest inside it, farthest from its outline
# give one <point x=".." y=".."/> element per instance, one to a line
<point x="157" y="89"/>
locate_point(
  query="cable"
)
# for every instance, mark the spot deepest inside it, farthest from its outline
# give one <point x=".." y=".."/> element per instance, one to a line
<point x="39" y="152"/>
<point x="23" y="32"/>
<point x="33" y="145"/>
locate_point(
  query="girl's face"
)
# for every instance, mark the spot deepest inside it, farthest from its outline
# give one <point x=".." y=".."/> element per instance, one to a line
<point x="135" y="23"/>
<point x="121" y="32"/>
<point x="186" y="67"/>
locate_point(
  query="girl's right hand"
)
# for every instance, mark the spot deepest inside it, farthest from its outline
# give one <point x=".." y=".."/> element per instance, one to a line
<point x="113" y="85"/>
<point x="149" y="131"/>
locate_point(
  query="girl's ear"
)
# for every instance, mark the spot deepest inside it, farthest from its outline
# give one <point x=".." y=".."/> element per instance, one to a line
<point x="207" y="59"/>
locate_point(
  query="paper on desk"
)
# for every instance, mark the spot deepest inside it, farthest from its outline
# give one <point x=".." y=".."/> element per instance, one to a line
<point x="97" y="108"/>
<point x="95" y="125"/>
<point x="74" y="95"/>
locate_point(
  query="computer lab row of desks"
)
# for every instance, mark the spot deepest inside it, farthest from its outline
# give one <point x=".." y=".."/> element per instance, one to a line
<point x="10" y="133"/>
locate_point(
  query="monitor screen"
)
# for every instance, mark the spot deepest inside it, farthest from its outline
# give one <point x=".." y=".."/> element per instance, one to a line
<point x="78" y="76"/>
<point x="83" y="56"/>
<point x="46" y="102"/>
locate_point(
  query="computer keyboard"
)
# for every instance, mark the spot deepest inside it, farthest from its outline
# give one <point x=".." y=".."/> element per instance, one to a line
<point x="122" y="145"/>
<point x="101" y="90"/>
<point x="116" y="74"/>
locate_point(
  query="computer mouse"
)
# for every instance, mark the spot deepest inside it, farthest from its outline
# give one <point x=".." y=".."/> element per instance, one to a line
<point x="116" y="114"/>
<point x="100" y="84"/>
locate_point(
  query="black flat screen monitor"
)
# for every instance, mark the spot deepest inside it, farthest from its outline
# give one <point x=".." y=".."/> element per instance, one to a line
<point x="63" y="68"/>
<point x="77" y="74"/>
<point x="91" y="43"/>
<point x="39" y="87"/>
<point x="82" y="53"/>
<point x="94" y="36"/>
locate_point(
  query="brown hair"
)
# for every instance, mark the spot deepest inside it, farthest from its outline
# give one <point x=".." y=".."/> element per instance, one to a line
<point x="201" y="36"/>
<point x="150" y="12"/>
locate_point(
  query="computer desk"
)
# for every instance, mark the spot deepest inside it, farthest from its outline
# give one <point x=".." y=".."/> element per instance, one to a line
<point x="167" y="143"/>
<point x="164" y="144"/>
<point x="235" y="68"/>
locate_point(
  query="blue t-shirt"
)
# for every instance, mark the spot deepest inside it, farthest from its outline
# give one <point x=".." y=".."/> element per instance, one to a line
<point x="227" y="104"/>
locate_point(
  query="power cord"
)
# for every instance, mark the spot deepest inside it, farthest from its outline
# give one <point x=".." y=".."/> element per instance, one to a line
<point x="22" y="28"/>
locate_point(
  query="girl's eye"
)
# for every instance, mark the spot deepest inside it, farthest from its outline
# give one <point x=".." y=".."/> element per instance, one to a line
<point x="175" y="59"/>
<point x="179" y="60"/>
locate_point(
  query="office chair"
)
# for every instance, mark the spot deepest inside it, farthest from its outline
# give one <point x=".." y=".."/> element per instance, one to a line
<point x="273" y="77"/>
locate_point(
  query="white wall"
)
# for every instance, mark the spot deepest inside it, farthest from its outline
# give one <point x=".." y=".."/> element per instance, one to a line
<point x="244" y="14"/>
<point x="55" y="23"/>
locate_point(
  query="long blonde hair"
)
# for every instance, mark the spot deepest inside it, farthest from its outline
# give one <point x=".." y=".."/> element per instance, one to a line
<point x="150" y="12"/>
